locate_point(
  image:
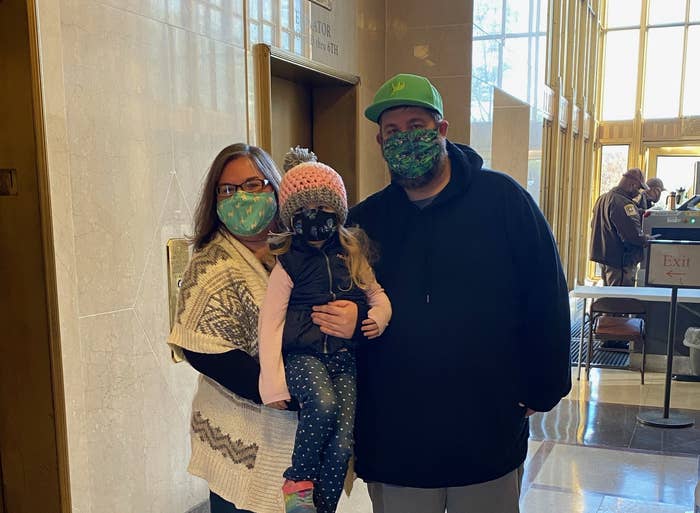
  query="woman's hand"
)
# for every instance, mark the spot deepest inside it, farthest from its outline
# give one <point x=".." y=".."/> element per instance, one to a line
<point x="278" y="405"/>
<point x="370" y="329"/>
<point x="528" y="411"/>
<point x="337" y="318"/>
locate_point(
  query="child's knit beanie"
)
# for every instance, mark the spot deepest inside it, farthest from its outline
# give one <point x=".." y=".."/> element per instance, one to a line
<point x="312" y="182"/>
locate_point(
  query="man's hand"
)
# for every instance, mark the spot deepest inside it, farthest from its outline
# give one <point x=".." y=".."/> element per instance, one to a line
<point x="337" y="318"/>
<point x="528" y="412"/>
<point x="370" y="328"/>
<point x="648" y="238"/>
<point x="278" y="405"/>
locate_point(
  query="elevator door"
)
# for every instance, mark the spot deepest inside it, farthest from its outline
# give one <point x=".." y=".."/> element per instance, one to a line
<point x="292" y="116"/>
<point x="310" y="105"/>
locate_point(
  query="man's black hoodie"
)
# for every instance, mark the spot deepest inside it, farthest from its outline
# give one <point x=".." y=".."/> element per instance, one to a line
<point x="480" y="324"/>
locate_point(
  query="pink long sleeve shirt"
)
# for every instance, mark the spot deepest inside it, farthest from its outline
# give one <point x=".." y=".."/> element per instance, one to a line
<point x="273" y="384"/>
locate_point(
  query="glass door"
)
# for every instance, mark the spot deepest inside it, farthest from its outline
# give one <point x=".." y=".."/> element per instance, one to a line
<point x="676" y="166"/>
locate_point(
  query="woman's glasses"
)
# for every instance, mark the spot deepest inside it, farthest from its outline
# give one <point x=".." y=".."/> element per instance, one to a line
<point x="250" y="185"/>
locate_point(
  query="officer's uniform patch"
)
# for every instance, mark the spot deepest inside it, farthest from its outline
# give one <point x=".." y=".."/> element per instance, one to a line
<point x="631" y="210"/>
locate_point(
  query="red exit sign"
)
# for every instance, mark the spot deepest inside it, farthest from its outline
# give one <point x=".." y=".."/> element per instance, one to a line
<point x="674" y="264"/>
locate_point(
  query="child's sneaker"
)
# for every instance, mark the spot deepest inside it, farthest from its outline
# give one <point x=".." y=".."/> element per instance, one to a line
<point x="298" y="497"/>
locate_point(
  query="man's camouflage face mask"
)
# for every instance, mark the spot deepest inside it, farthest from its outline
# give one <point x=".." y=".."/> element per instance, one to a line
<point x="413" y="153"/>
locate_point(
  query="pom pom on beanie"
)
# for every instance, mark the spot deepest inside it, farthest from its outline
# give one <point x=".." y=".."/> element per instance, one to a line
<point x="296" y="156"/>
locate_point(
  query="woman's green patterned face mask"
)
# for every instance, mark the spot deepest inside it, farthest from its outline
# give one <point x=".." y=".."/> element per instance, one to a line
<point x="413" y="153"/>
<point x="247" y="213"/>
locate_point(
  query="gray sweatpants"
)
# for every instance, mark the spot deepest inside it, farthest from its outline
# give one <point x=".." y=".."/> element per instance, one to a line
<point x="498" y="496"/>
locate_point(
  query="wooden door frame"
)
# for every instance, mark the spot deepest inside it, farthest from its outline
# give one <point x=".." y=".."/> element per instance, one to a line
<point x="331" y="90"/>
<point x="295" y="67"/>
<point x="50" y="291"/>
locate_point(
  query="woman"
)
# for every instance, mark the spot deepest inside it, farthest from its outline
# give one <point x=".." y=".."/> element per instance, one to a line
<point x="239" y="447"/>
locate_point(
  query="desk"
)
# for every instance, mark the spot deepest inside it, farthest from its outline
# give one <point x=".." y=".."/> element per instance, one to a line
<point x="661" y="295"/>
<point x="642" y="293"/>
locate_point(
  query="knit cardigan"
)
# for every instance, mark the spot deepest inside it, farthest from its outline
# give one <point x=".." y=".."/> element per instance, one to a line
<point x="240" y="448"/>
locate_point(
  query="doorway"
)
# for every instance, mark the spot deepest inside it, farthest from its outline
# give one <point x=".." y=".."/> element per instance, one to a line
<point x="33" y="445"/>
<point x="301" y="102"/>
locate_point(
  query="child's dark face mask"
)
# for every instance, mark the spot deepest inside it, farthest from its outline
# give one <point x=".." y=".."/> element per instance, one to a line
<point x="314" y="224"/>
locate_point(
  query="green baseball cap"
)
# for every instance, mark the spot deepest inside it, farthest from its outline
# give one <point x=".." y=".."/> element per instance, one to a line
<point x="404" y="90"/>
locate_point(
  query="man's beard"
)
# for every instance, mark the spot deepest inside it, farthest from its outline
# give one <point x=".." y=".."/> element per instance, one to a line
<point x="420" y="181"/>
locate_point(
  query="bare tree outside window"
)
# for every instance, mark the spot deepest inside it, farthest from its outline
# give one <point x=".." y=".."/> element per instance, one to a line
<point x="614" y="163"/>
<point x="509" y="52"/>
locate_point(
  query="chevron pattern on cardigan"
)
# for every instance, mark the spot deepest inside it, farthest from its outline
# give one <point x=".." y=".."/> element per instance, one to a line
<point x="237" y="451"/>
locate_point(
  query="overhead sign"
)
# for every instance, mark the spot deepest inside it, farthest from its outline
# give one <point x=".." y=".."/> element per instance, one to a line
<point x="673" y="263"/>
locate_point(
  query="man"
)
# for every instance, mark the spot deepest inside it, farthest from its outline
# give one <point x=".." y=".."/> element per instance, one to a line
<point x="480" y="335"/>
<point x="648" y="198"/>
<point x="617" y="241"/>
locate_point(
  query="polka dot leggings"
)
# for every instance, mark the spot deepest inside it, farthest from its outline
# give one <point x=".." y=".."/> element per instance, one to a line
<point x="324" y="385"/>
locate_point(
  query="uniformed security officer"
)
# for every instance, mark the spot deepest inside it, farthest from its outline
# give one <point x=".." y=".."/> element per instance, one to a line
<point x="651" y="196"/>
<point x="617" y="241"/>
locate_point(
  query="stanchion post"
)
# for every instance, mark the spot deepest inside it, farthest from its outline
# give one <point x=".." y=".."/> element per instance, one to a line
<point x="671" y="264"/>
<point x="669" y="350"/>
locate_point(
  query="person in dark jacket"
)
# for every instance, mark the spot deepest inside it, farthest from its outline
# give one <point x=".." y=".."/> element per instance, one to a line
<point x="479" y="338"/>
<point x="617" y="241"/>
<point x="319" y="261"/>
<point x="650" y="197"/>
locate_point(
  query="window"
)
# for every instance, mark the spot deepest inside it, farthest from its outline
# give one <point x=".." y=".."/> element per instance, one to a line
<point x="669" y="75"/>
<point x="620" y="75"/>
<point x="518" y="16"/>
<point x="691" y="98"/>
<point x="614" y="163"/>
<point x="267" y="11"/>
<point x="694" y="10"/>
<point x="623" y="14"/>
<point x="620" y="58"/>
<point x="488" y="17"/>
<point x="485" y="58"/>
<point x="664" y="65"/>
<point x="678" y="174"/>
<point x="516" y="66"/>
<point x="542" y="16"/>
<point x="666" y="11"/>
<point x="289" y="32"/>
<point x="508" y="51"/>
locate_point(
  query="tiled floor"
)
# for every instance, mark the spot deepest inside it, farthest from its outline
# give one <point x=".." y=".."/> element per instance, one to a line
<point x="623" y="387"/>
<point x="614" y="425"/>
<point x="590" y="455"/>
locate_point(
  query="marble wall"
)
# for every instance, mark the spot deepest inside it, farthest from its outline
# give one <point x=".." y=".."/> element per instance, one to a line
<point x="139" y="96"/>
<point x="371" y="47"/>
<point x="434" y="41"/>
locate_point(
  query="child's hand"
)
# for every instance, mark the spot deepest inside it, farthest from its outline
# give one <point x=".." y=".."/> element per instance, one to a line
<point x="278" y="405"/>
<point x="370" y="328"/>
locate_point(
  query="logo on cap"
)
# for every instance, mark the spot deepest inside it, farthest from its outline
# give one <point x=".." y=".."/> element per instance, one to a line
<point x="397" y="86"/>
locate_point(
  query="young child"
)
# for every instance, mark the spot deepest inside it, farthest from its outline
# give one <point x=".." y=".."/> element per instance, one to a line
<point x="318" y="261"/>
